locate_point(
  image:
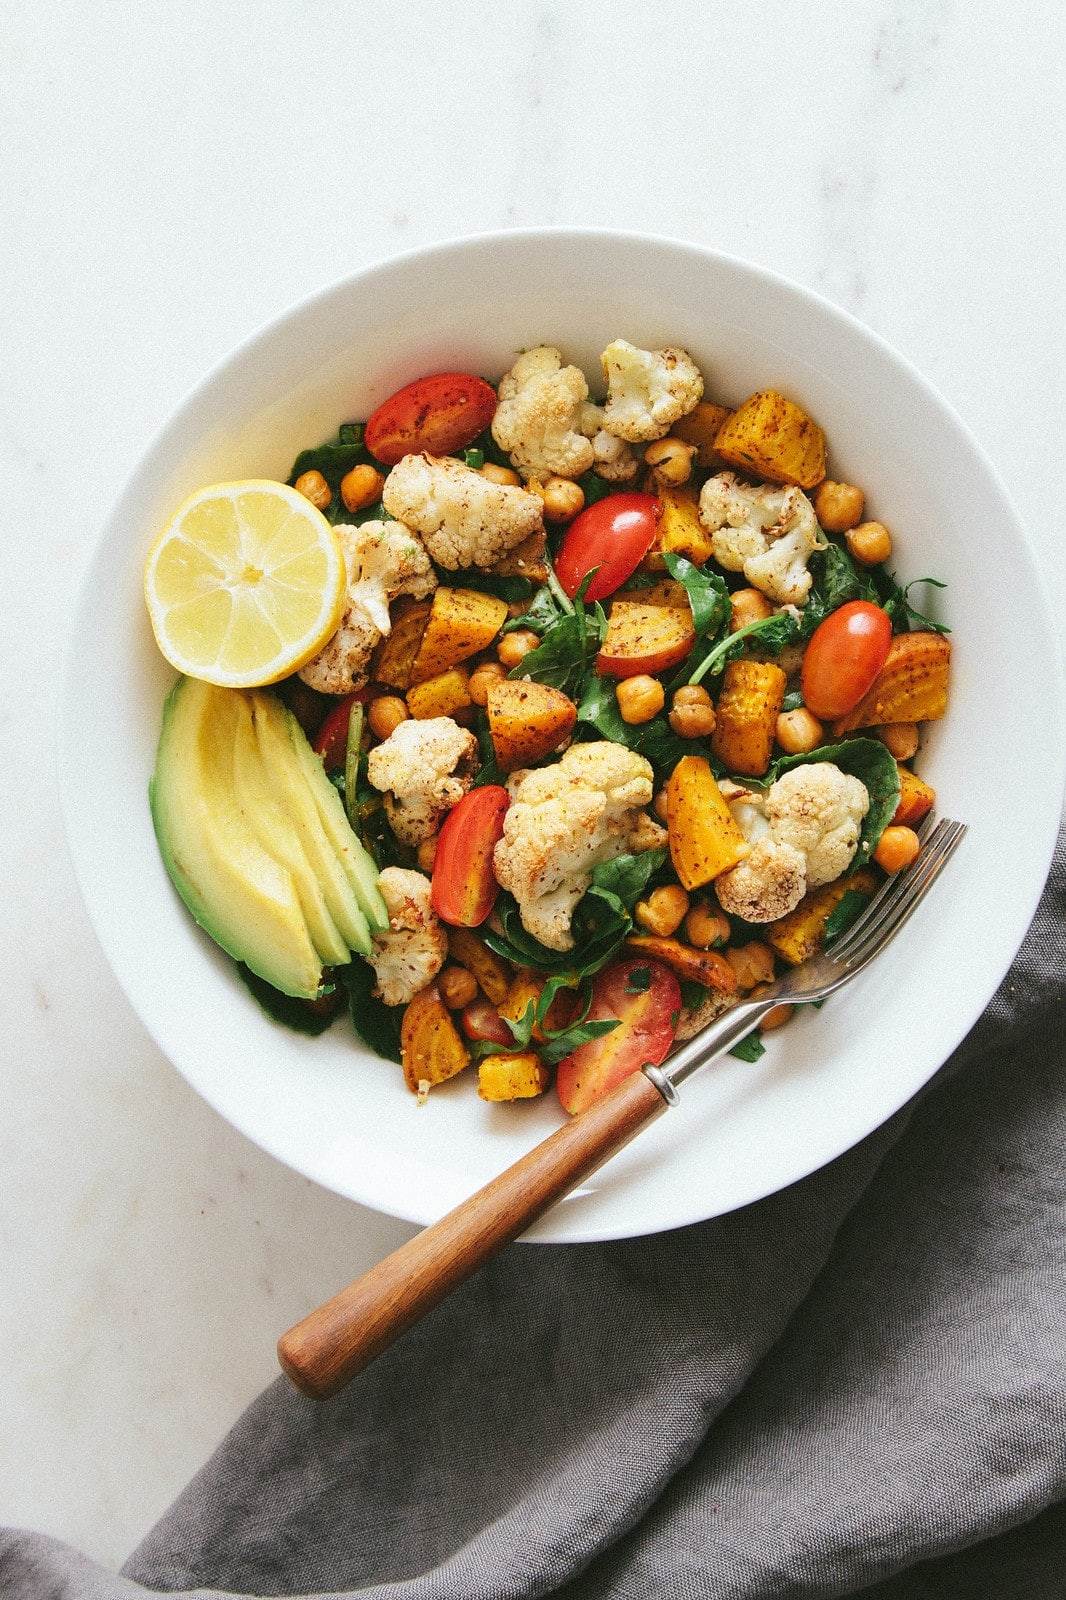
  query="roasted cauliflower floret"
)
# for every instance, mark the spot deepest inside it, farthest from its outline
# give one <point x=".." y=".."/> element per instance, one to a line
<point x="422" y="768"/>
<point x="414" y="947"/>
<point x="766" y="532"/>
<point x="818" y="809"/>
<point x="564" y="820"/>
<point x="463" y="518"/>
<point x="612" y="457"/>
<point x="803" y="830"/>
<point x="382" y="560"/>
<point x="538" y="417"/>
<point x="648" y="390"/>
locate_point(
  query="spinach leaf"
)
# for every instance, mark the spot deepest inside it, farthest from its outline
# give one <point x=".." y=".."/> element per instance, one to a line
<point x="750" y="1048"/>
<point x="595" y="488"/>
<point x="836" y="581"/>
<point x="844" y="913"/>
<point x="334" y="460"/>
<point x="656" y="740"/>
<point x="568" y="646"/>
<point x="872" y="763"/>
<point x="558" y="1042"/>
<point x="627" y="877"/>
<point x="304" y="1016"/>
<point x="707" y="594"/>
<point x="600" y="923"/>
<point x="377" y="1024"/>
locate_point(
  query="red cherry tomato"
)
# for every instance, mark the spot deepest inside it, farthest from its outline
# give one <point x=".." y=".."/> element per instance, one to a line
<point x="331" y="740"/>
<point x="646" y="999"/>
<point x="613" y="534"/>
<point x="464" y="883"/>
<point x="481" y="1020"/>
<point x="843" y="657"/>
<point x="441" y="414"/>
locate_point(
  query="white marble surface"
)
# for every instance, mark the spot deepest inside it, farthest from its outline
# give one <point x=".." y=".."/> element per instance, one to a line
<point x="174" y="175"/>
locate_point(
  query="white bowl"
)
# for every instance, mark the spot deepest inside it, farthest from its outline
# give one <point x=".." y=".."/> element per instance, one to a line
<point x="340" y="1115"/>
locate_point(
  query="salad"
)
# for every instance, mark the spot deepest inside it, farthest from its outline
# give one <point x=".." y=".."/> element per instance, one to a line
<point x="573" y="720"/>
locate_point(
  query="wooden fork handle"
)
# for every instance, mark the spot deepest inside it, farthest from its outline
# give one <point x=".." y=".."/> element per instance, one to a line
<point x="330" y="1346"/>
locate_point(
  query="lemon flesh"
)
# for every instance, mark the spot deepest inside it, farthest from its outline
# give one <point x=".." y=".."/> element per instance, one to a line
<point x="245" y="584"/>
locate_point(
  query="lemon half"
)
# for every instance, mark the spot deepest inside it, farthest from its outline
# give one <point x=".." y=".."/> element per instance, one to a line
<point x="245" y="583"/>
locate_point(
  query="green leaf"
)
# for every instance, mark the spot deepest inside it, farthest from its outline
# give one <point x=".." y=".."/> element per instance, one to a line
<point x="596" y="488"/>
<point x="707" y="594"/>
<point x="627" y="877"/>
<point x="303" y="1016"/>
<point x="599" y="924"/>
<point x="568" y="646"/>
<point x="750" y="1048"/>
<point x="377" y="1024"/>
<point x="836" y="581"/>
<point x="847" y="909"/>
<point x="904" y="616"/>
<point x="334" y="460"/>
<point x="770" y="633"/>
<point x="874" y="765"/>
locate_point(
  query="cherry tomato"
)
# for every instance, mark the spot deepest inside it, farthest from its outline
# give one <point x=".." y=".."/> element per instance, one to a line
<point x="464" y="883"/>
<point x="441" y="414"/>
<point x="613" y="534"/>
<point x="481" y="1020"/>
<point x="645" y="997"/>
<point x="331" y="740"/>
<point x="843" y="657"/>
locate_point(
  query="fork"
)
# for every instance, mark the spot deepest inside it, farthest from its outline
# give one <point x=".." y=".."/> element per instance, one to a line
<point x="324" y="1351"/>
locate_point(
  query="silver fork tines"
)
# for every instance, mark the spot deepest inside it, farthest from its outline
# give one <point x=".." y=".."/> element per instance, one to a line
<point x="892" y="906"/>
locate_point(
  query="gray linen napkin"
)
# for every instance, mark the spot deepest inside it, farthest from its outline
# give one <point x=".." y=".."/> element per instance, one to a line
<point x="856" y="1385"/>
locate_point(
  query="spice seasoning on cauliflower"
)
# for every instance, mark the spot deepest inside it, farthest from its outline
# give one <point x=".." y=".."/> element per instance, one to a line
<point x="804" y="831"/>
<point x="648" y="390"/>
<point x="383" y="560"/>
<point x="539" y="416"/>
<point x="564" y="820"/>
<point x="464" y="520"/>
<point x="414" y="947"/>
<point x="612" y="457"/>
<point x="422" y="768"/>
<point x="768" y="533"/>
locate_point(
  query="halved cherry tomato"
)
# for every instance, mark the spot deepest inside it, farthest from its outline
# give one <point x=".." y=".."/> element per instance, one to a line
<point x="440" y="414"/>
<point x="843" y="657"/>
<point x="480" y="1020"/>
<point x="645" y="997"/>
<point x="331" y="740"/>
<point x="613" y="534"/>
<point x="464" y="883"/>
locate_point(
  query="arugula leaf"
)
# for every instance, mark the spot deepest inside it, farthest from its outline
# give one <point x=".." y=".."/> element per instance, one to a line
<point x="568" y="646"/>
<point x="377" y="1024"/>
<point x="874" y="765"/>
<point x="707" y="594"/>
<point x="558" y="1042"/>
<point x="772" y="633"/>
<point x="904" y="615"/>
<point x="511" y="589"/>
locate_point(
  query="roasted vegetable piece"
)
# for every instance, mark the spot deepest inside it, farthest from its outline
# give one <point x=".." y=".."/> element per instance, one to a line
<point x="441" y="414"/>
<point x="491" y="971"/>
<point x="915" y="798"/>
<point x="750" y="702"/>
<point x="645" y="999"/>
<point x="461" y="622"/>
<point x="394" y="657"/>
<point x="704" y="838"/>
<point x="802" y="932"/>
<point x="514" y="1077"/>
<point x="464" y="884"/>
<point x="430" y="1044"/>
<point x="912" y="686"/>
<point x="526" y="721"/>
<point x="440" y="696"/>
<point x="771" y="437"/>
<point x="680" y="530"/>
<point x="701" y="427"/>
<point x="644" y="638"/>
<point x="695" y="966"/>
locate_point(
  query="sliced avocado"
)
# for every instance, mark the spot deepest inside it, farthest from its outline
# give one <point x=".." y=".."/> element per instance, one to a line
<point x="286" y="776"/>
<point x="237" y="891"/>
<point x="257" y="797"/>
<point x="359" y="864"/>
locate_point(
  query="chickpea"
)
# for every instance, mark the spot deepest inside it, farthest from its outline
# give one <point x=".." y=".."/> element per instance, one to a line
<point x="777" y="1016"/>
<point x="456" y="987"/>
<point x="753" y="963"/>
<point x="514" y="646"/>
<point x="899" y="738"/>
<point x="361" y="487"/>
<point x="838" y="506"/>
<point x="481" y="680"/>
<point x="495" y="474"/>
<point x="869" y="544"/>
<point x="798" y="731"/>
<point x="660" y="806"/>
<point x="563" y="499"/>
<point x="427" y="853"/>
<point x="671" y="460"/>
<point x="663" y="912"/>
<point x="313" y="487"/>
<point x="897" y="848"/>
<point x="640" y="698"/>
<point x="385" y="713"/>
<point x="748" y="605"/>
<point x="692" y="714"/>
<point x="705" y="925"/>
